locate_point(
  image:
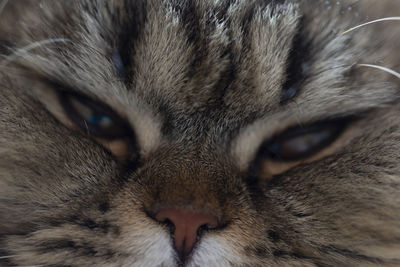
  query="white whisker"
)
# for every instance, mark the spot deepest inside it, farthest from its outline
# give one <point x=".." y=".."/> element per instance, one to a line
<point x="3" y="5"/>
<point x="24" y="50"/>
<point x="390" y="71"/>
<point x="7" y="257"/>
<point x="87" y="128"/>
<point x="371" y="22"/>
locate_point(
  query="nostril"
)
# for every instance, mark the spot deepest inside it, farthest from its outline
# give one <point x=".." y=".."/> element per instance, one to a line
<point x="204" y="227"/>
<point x="169" y="224"/>
<point x="207" y="227"/>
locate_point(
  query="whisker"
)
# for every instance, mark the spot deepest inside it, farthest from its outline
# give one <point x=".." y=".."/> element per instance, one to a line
<point x="390" y="71"/>
<point x="87" y="128"/>
<point x="24" y="50"/>
<point x="7" y="257"/>
<point x="3" y="5"/>
<point x="371" y="22"/>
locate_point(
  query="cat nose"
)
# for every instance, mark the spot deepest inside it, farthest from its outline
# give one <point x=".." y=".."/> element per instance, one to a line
<point x="186" y="226"/>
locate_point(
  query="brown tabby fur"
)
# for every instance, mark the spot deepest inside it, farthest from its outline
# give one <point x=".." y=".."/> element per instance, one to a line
<point x="202" y="90"/>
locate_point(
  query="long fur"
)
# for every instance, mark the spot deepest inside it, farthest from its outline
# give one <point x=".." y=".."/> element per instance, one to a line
<point x="203" y="83"/>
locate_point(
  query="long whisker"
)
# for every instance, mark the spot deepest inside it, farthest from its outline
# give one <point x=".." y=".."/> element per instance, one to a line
<point x="32" y="265"/>
<point x="7" y="257"/>
<point x="24" y="50"/>
<point x="390" y="71"/>
<point x="3" y="5"/>
<point x="371" y="22"/>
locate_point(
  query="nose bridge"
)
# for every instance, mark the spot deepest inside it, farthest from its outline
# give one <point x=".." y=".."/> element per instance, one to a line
<point x="182" y="179"/>
<point x="189" y="186"/>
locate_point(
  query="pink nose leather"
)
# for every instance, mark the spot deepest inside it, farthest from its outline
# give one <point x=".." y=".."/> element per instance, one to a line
<point x="187" y="224"/>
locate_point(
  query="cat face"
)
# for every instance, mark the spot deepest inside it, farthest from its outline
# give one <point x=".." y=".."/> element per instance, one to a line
<point x="197" y="133"/>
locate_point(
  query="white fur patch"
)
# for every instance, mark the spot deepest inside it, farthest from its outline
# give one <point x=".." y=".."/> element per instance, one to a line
<point x="213" y="251"/>
<point x="155" y="250"/>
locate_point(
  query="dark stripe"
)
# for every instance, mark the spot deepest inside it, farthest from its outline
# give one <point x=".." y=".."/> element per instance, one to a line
<point x="273" y="236"/>
<point x="296" y="71"/>
<point x="245" y="26"/>
<point x="256" y="193"/>
<point x="4" y="47"/>
<point x="191" y="22"/>
<point x="198" y="33"/>
<point x="226" y="78"/>
<point x="104" y="207"/>
<point x="50" y="246"/>
<point x="3" y="253"/>
<point x="104" y="226"/>
<point x="300" y="214"/>
<point x="197" y="36"/>
<point x="223" y="9"/>
<point x="130" y="21"/>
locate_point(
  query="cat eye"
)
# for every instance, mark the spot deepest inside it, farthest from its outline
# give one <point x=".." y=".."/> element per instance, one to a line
<point x="303" y="141"/>
<point x="94" y="118"/>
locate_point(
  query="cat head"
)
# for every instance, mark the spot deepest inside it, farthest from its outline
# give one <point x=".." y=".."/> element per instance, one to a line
<point x="197" y="133"/>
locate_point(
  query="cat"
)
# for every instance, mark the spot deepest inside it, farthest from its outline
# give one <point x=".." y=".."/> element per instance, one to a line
<point x="199" y="133"/>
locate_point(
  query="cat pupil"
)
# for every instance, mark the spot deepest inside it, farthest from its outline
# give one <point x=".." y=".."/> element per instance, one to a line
<point x="90" y="115"/>
<point x="303" y="144"/>
<point x="101" y="120"/>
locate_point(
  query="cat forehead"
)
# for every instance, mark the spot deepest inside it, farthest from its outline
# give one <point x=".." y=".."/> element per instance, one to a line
<point x="190" y="55"/>
<point x="244" y="56"/>
<point x="196" y="55"/>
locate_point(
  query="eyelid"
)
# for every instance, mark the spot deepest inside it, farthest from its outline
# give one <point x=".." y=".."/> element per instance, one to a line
<point x="266" y="167"/>
<point x="65" y="99"/>
<point x="329" y="131"/>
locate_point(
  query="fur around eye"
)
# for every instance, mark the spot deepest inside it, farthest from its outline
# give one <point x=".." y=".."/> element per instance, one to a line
<point x="95" y="118"/>
<point x="303" y="141"/>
